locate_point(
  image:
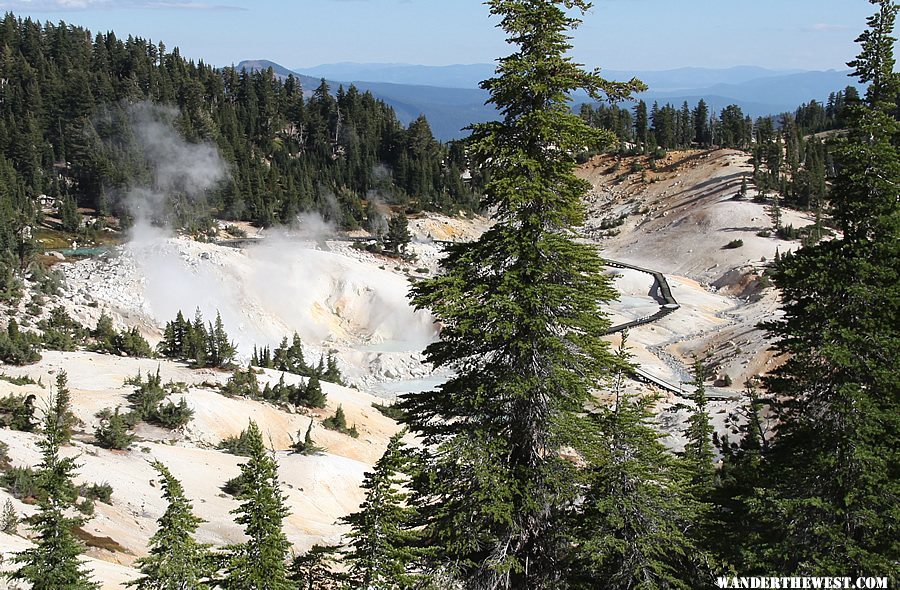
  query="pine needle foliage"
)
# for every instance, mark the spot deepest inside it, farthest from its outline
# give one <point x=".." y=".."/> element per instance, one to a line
<point x="698" y="450"/>
<point x="632" y="526"/>
<point x="261" y="562"/>
<point x="831" y="503"/>
<point x="176" y="560"/>
<point x="521" y="317"/>
<point x="382" y="539"/>
<point x="54" y="561"/>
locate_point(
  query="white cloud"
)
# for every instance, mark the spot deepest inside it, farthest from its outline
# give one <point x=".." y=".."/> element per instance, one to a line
<point x="825" y="28"/>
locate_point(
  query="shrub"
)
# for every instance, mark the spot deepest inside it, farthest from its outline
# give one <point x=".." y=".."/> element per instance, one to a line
<point x="236" y="487"/>
<point x="21" y="482"/>
<point x="17" y="347"/>
<point x="235" y="231"/>
<point x="171" y="415"/>
<point x="10" y="285"/>
<point x="147" y="396"/>
<point x="236" y="445"/>
<point x="112" y="433"/>
<point x="97" y="491"/>
<point x="17" y="412"/>
<point x="306" y="445"/>
<point x="242" y="383"/>
<point x="734" y="244"/>
<point x="338" y="423"/>
<point x="23" y="380"/>
<point x="9" y="520"/>
<point x="764" y="233"/>
<point x="789" y="232"/>
<point x="61" y="332"/>
<point x="393" y="412"/>
<point x="85" y="507"/>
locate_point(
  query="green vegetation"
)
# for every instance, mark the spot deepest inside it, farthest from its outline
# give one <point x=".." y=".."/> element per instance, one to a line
<point x="306" y="445"/>
<point x="176" y="559"/>
<point x="260" y="562"/>
<point x="289" y="358"/>
<point x="393" y="411"/>
<point x="237" y="445"/>
<point x="9" y="520"/>
<point x="383" y="535"/>
<point x="148" y="403"/>
<point x="17" y="412"/>
<point x="243" y="383"/>
<point x="835" y="393"/>
<point x="733" y="244"/>
<point x="201" y="345"/>
<point x="67" y="132"/>
<point x="338" y="423"/>
<point x="113" y="430"/>
<point x="128" y="343"/>
<point x="53" y="562"/>
<point x="18" y="347"/>
<point x="61" y="332"/>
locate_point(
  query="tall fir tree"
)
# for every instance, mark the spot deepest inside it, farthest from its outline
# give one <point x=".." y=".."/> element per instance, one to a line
<point x="62" y="408"/>
<point x="633" y="524"/>
<point x="831" y="503"/>
<point x="698" y="449"/>
<point x="176" y="560"/>
<point x="260" y="563"/>
<point x="521" y="322"/>
<point x="54" y="561"/>
<point x="382" y="539"/>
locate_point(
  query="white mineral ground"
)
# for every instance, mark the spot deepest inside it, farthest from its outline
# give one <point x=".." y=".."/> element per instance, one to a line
<point x="345" y="300"/>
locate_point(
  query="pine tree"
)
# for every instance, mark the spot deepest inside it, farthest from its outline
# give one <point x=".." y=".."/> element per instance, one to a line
<point x="701" y="124"/>
<point x="112" y="431"/>
<point x="313" y="396"/>
<point x="521" y="322"/>
<point x="774" y="210"/>
<point x="220" y="350"/>
<point x="260" y="562"/>
<point x="698" y="451"/>
<point x="831" y="503"/>
<point x="633" y="525"/>
<point x="307" y="446"/>
<point x="315" y="569"/>
<point x="9" y="520"/>
<point x="176" y="560"/>
<point x="53" y="563"/>
<point x="62" y="408"/>
<point x="641" y="124"/>
<point x="398" y="236"/>
<point x="730" y="529"/>
<point x="382" y="538"/>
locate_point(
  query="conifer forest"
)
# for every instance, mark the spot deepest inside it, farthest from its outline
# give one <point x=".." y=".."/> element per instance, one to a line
<point x="261" y="330"/>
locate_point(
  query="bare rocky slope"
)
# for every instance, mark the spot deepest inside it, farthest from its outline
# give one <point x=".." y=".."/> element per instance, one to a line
<point x="350" y="302"/>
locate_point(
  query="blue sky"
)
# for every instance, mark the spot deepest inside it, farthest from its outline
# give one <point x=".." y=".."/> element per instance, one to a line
<point x="617" y="34"/>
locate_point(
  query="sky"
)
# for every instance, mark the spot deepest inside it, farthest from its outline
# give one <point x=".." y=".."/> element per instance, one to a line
<point x="616" y="34"/>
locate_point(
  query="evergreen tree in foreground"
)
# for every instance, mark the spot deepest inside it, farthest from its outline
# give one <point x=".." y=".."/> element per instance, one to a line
<point x="521" y="317"/>
<point x="53" y="563"/>
<point x="176" y="560"/>
<point x="380" y="547"/>
<point x="260" y="562"/>
<point x="698" y="450"/>
<point x="832" y="502"/>
<point x="633" y="526"/>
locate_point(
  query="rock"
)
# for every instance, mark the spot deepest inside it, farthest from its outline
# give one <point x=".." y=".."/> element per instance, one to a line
<point x="57" y="255"/>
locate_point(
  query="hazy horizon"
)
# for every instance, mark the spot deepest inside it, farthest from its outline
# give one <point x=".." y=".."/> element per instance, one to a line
<point x="646" y="35"/>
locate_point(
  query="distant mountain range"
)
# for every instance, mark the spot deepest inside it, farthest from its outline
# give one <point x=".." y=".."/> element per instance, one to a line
<point x="450" y="98"/>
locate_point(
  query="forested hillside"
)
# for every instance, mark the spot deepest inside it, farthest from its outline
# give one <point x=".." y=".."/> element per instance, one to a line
<point x="66" y="132"/>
